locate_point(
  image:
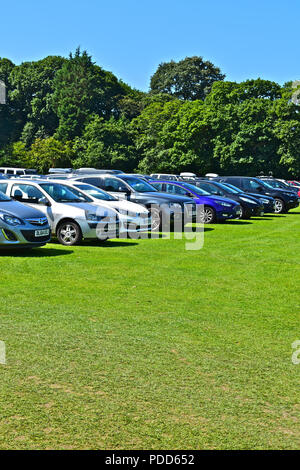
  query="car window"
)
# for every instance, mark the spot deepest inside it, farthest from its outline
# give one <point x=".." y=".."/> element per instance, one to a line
<point x="26" y="193"/>
<point x="3" y="197"/>
<point x="3" y="187"/>
<point x="114" y="185"/>
<point x="97" y="193"/>
<point x="174" y="189"/>
<point x="158" y="186"/>
<point x="64" y="194"/>
<point x="251" y="185"/>
<point x="139" y="185"/>
<point x="98" y="182"/>
<point x="211" y="189"/>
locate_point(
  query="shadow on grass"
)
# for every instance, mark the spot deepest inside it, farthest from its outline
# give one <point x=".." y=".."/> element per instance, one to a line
<point x="192" y="230"/>
<point x="237" y="222"/>
<point x="294" y="213"/>
<point x="109" y="243"/>
<point x="34" y="252"/>
<point x="276" y="216"/>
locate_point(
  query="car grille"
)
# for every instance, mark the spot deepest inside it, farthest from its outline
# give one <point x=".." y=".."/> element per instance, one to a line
<point x="29" y="235"/>
<point x="38" y="222"/>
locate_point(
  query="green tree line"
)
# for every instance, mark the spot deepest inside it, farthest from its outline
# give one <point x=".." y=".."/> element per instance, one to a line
<point x="69" y="112"/>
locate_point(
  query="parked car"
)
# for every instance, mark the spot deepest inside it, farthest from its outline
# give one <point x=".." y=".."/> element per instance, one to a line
<point x="164" y="176"/>
<point x="22" y="226"/>
<point x="72" y="215"/>
<point x="267" y="202"/>
<point x="133" y="217"/>
<point x="249" y="205"/>
<point x="163" y="207"/>
<point x="215" y="208"/>
<point x="280" y="184"/>
<point x="284" y="199"/>
<point x="10" y="171"/>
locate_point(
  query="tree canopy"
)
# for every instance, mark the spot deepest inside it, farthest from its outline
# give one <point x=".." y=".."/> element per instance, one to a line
<point x="71" y="112"/>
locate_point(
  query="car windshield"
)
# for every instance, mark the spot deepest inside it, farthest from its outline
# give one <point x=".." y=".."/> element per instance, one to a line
<point x="266" y="185"/>
<point x="4" y="198"/>
<point x="196" y="189"/>
<point x="61" y="193"/>
<point x="139" y="185"/>
<point x="95" y="192"/>
<point x="228" y="185"/>
<point x="277" y="184"/>
<point x="228" y="188"/>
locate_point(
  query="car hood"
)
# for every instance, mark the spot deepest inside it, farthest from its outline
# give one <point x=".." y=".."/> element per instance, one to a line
<point x="123" y="204"/>
<point x="259" y="196"/>
<point x="20" y="210"/>
<point x="219" y="199"/>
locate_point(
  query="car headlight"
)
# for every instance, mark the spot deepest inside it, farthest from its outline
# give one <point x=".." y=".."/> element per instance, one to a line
<point x="264" y="201"/>
<point x="248" y="200"/>
<point x="225" y="204"/>
<point x="175" y="205"/>
<point x="94" y="217"/>
<point x="11" y="220"/>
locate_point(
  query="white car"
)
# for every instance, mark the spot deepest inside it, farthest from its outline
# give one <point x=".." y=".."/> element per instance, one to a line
<point x="71" y="215"/>
<point x="133" y="217"/>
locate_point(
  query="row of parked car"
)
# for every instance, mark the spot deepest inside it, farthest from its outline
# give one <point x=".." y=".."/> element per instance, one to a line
<point x="103" y="204"/>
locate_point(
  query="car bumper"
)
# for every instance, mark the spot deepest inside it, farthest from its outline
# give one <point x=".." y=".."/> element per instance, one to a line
<point x="10" y="237"/>
<point x="134" y="224"/>
<point x="224" y="214"/>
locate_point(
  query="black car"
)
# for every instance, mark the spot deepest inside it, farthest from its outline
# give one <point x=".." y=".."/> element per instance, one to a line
<point x="163" y="207"/>
<point x="250" y="206"/>
<point x="284" y="199"/>
<point x="280" y="184"/>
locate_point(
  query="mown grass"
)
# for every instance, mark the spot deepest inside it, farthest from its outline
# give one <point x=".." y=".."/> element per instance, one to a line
<point x="144" y="345"/>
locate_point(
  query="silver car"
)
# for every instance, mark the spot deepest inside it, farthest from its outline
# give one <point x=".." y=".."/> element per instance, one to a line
<point x="21" y="226"/>
<point x="71" y="214"/>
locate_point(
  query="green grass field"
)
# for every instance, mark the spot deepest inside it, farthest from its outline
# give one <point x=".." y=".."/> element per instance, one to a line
<point x="144" y="345"/>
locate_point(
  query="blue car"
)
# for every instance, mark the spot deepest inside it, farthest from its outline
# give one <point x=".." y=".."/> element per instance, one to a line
<point x="215" y="209"/>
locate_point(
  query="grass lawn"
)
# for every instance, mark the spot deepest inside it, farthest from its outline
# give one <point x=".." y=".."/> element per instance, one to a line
<point x="144" y="345"/>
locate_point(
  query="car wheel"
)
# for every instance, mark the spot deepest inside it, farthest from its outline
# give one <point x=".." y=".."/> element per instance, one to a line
<point x="279" y="206"/>
<point x="155" y="219"/>
<point x="69" y="233"/>
<point x="244" y="214"/>
<point x="207" y="215"/>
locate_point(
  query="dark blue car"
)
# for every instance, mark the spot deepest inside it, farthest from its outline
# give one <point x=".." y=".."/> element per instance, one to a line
<point x="215" y="208"/>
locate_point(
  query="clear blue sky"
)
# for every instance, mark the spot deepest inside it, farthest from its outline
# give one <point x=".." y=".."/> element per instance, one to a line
<point x="245" y="38"/>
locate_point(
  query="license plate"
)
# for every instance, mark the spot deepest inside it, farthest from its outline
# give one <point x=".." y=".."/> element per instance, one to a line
<point x="262" y="213"/>
<point x="42" y="233"/>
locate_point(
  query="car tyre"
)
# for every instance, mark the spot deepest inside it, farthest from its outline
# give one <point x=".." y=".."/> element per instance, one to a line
<point x="69" y="233"/>
<point x="279" y="206"/>
<point x="155" y="219"/>
<point x="244" y="215"/>
<point x="207" y="215"/>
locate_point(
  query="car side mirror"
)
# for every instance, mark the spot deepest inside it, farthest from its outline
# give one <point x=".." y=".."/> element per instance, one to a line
<point x="44" y="202"/>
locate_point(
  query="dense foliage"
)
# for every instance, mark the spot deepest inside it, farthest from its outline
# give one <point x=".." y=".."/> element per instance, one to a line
<point x="71" y="112"/>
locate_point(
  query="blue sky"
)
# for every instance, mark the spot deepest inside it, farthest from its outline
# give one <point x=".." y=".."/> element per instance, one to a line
<point x="245" y="38"/>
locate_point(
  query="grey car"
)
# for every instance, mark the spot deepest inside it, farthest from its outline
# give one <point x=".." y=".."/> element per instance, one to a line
<point x="21" y="226"/>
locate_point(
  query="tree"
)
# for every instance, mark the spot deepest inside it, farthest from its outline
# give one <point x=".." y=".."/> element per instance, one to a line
<point x="106" y="144"/>
<point x="188" y="79"/>
<point x="49" y="153"/>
